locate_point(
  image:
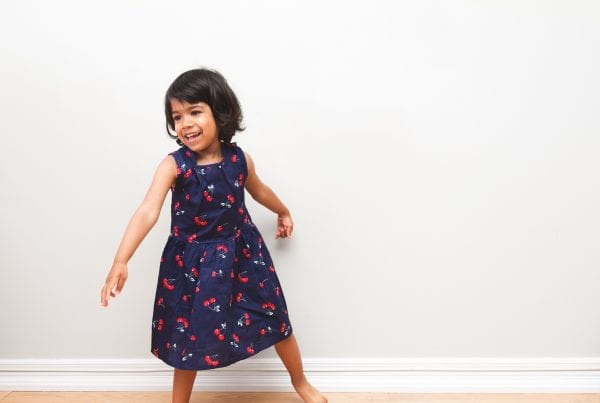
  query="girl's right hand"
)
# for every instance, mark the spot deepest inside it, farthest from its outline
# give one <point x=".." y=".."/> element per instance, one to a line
<point x="114" y="282"/>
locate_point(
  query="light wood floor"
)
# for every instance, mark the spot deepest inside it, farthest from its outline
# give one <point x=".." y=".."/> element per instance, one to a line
<point x="255" y="397"/>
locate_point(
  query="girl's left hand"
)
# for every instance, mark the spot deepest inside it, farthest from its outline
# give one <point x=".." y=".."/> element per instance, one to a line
<point x="285" y="226"/>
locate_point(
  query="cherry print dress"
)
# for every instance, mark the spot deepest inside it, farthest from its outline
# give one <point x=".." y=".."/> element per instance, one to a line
<point x="218" y="299"/>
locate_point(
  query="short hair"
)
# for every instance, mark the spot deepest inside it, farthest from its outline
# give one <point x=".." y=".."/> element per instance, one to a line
<point x="208" y="86"/>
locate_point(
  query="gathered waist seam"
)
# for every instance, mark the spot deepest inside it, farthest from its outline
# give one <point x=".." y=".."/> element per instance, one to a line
<point x="233" y="237"/>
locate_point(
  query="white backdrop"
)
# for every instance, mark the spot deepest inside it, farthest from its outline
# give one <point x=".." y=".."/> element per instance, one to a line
<point x="440" y="161"/>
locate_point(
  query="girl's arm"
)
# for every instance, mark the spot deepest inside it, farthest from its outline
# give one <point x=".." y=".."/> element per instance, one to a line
<point x="265" y="196"/>
<point x="140" y="224"/>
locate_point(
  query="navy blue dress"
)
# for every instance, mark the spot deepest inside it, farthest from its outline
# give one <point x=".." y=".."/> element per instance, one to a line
<point x="218" y="299"/>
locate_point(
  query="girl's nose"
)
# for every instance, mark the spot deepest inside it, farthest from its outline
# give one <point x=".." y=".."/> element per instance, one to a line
<point x="187" y="122"/>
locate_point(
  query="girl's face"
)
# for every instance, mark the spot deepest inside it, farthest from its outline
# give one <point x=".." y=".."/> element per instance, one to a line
<point x="195" y="126"/>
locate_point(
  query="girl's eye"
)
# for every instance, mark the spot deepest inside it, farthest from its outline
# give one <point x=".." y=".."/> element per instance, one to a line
<point x="195" y="112"/>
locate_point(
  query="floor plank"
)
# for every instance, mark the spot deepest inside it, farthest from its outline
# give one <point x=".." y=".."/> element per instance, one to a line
<point x="275" y="397"/>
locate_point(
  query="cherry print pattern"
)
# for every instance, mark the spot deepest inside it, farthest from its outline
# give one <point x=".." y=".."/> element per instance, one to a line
<point x="218" y="298"/>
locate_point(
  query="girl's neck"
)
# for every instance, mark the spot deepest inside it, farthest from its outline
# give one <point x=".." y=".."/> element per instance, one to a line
<point x="208" y="157"/>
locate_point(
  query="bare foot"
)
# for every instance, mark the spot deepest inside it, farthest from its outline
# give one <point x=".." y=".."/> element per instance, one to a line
<point x="308" y="393"/>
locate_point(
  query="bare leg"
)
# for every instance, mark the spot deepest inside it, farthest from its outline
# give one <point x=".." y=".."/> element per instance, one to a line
<point x="183" y="381"/>
<point x="289" y="353"/>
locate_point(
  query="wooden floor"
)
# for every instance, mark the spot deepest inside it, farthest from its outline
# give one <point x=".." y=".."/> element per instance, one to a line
<point x="255" y="397"/>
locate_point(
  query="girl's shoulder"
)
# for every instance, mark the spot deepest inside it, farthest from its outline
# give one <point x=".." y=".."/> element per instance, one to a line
<point x="180" y="157"/>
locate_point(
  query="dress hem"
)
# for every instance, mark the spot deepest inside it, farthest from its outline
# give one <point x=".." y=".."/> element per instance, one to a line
<point x="230" y="362"/>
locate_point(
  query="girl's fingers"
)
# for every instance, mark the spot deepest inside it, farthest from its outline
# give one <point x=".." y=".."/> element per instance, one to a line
<point x="119" y="286"/>
<point x="109" y="290"/>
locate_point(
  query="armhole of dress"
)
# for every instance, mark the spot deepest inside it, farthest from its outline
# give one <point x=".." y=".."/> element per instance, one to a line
<point x="172" y="154"/>
<point x="242" y="157"/>
<point x="178" y="162"/>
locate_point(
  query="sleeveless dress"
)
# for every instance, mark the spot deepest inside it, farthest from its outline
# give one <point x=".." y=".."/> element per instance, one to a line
<point x="218" y="298"/>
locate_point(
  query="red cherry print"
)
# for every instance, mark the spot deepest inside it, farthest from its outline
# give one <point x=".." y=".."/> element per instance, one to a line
<point x="220" y="228"/>
<point x="176" y="206"/>
<point x="160" y="301"/>
<point x="283" y="327"/>
<point x="236" y="338"/>
<point x="271" y="268"/>
<point x="200" y="221"/>
<point x="168" y="345"/>
<point x="262" y="331"/>
<point x="246" y="315"/>
<point x="206" y="303"/>
<point x="261" y="284"/>
<point x="155" y="351"/>
<point x="189" y="154"/>
<point x="194" y="272"/>
<point x="216" y="332"/>
<point x="231" y="198"/>
<point x="214" y="274"/>
<point x="188" y="173"/>
<point x="176" y="230"/>
<point x="193" y="337"/>
<point x="207" y="196"/>
<point x="250" y="350"/>
<point x="241" y="211"/>
<point x="215" y="362"/>
<point x="184" y="298"/>
<point x="166" y="284"/>
<point x="179" y="260"/>
<point x="221" y="337"/>
<point x="191" y="238"/>
<point x="198" y="289"/>
<point x="247" y="322"/>
<point x="277" y="291"/>
<point x="212" y="299"/>
<point x="234" y="158"/>
<point x="187" y="196"/>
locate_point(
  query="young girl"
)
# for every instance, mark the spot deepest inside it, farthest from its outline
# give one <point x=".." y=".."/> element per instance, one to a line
<point x="218" y="298"/>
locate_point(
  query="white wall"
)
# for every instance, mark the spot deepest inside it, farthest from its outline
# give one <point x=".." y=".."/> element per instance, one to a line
<point x="440" y="160"/>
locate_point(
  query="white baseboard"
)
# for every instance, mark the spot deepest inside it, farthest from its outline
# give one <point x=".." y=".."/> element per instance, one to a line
<point x="410" y="375"/>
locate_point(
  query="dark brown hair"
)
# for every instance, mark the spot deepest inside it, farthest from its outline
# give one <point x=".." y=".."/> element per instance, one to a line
<point x="210" y="87"/>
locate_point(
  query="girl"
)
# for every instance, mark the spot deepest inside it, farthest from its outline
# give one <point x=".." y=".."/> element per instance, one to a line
<point x="218" y="298"/>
